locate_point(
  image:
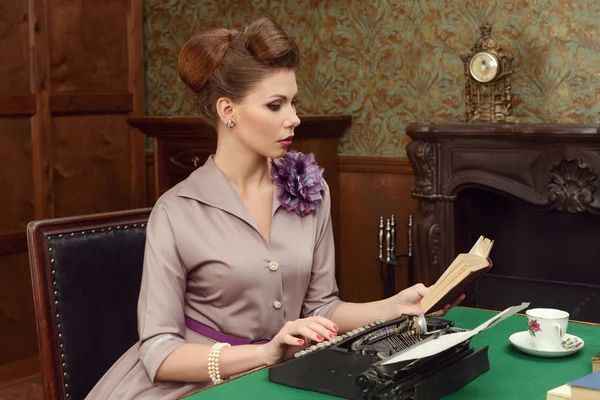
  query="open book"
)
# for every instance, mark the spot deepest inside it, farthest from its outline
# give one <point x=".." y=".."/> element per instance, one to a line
<point x="462" y="273"/>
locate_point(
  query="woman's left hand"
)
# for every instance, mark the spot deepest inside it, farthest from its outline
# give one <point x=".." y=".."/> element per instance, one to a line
<point x="408" y="301"/>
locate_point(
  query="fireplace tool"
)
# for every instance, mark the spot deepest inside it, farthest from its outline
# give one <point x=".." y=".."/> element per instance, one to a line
<point x="389" y="261"/>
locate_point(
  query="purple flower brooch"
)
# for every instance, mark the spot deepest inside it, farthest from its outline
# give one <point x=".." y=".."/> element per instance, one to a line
<point x="299" y="182"/>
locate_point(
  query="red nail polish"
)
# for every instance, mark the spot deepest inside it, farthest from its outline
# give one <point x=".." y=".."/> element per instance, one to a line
<point x="331" y="335"/>
<point x="300" y="341"/>
<point x="335" y="327"/>
<point x="320" y="338"/>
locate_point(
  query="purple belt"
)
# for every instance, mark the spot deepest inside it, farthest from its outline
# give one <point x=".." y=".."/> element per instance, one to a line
<point x="219" y="336"/>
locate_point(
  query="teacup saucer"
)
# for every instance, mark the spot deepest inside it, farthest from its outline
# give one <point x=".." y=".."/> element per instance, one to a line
<point x="570" y="345"/>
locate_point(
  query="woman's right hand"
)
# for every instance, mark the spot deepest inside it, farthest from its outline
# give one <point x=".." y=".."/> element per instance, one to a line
<point x="296" y="335"/>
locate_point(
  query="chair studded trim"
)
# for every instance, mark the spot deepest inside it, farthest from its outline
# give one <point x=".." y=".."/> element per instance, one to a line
<point x="63" y="349"/>
<point x="86" y="272"/>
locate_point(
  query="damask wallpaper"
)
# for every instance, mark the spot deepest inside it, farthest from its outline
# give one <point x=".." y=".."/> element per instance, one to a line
<point x="389" y="63"/>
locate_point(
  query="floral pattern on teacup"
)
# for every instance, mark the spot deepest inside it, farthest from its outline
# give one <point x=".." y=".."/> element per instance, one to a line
<point x="571" y="344"/>
<point x="533" y="326"/>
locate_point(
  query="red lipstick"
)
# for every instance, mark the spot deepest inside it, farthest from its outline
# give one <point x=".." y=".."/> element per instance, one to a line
<point x="287" y="142"/>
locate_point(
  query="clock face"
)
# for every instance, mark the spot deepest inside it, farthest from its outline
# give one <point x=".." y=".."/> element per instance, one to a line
<point x="483" y="67"/>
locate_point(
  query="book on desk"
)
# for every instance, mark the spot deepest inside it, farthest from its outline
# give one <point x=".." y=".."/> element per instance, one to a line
<point x="584" y="388"/>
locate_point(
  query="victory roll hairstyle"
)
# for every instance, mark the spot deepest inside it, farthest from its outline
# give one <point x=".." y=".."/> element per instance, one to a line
<point x="228" y="63"/>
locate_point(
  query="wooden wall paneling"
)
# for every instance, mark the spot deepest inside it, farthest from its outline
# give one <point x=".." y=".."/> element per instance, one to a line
<point x="30" y="389"/>
<point x="95" y="88"/>
<point x="375" y="165"/>
<point x="17" y="104"/>
<point x="88" y="46"/>
<point x="13" y="373"/>
<point x="370" y="187"/>
<point x="100" y="103"/>
<point x="135" y="27"/>
<point x="14" y="47"/>
<point x="150" y="179"/>
<point x="71" y="76"/>
<point x="18" y="337"/>
<point x="13" y="241"/>
<point x="159" y="174"/>
<point x="16" y="184"/>
<point x="40" y="121"/>
<point x="94" y="161"/>
<point x="19" y="142"/>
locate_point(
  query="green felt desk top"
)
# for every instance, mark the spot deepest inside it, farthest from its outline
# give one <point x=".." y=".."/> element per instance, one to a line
<point x="512" y="374"/>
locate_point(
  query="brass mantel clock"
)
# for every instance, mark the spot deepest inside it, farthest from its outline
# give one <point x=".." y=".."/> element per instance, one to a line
<point x="487" y="90"/>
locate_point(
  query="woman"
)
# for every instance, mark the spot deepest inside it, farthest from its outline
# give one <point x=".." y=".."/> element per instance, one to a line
<point x="237" y="253"/>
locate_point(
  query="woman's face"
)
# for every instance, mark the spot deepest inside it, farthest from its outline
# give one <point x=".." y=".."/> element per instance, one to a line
<point x="266" y="117"/>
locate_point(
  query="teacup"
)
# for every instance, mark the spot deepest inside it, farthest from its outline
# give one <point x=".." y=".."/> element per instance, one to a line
<point x="547" y="327"/>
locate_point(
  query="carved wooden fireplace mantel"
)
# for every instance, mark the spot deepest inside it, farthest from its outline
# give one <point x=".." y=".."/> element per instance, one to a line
<point x="552" y="169"/>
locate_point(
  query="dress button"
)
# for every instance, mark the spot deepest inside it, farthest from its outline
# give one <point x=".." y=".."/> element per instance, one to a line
<point x="273" y="266"/>
<point x="277" y="304"/>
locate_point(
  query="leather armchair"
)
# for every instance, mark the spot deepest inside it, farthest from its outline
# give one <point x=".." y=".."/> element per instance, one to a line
<point x="86" y="275"/>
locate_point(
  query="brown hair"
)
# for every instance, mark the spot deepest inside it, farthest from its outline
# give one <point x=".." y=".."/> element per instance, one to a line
<point x="228" y="63"/>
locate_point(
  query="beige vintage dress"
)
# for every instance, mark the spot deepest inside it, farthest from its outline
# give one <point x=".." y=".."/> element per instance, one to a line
<point x="205" y="258"/>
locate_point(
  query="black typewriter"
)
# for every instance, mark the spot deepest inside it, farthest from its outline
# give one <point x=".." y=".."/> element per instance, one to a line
<point x="352" y="365"/>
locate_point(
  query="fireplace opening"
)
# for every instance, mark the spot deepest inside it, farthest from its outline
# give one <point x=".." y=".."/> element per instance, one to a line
<point x="548" y="258"/>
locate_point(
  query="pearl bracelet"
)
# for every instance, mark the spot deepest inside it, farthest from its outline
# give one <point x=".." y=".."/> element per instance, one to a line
<point x="213" y="362"/>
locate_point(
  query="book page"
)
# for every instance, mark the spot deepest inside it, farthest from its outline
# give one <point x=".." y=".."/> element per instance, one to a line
<point x="482" y="247"/>
<point x="461" y="268"/>
<point x="476" y="247"/>
<point x="430" y="301"/>
<point x="461" y="264"/>
<point x="467" y="265"/>
<point x="444" y="287"/>
<point x="456" y="265"/>
<point x="559" y="393"/>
